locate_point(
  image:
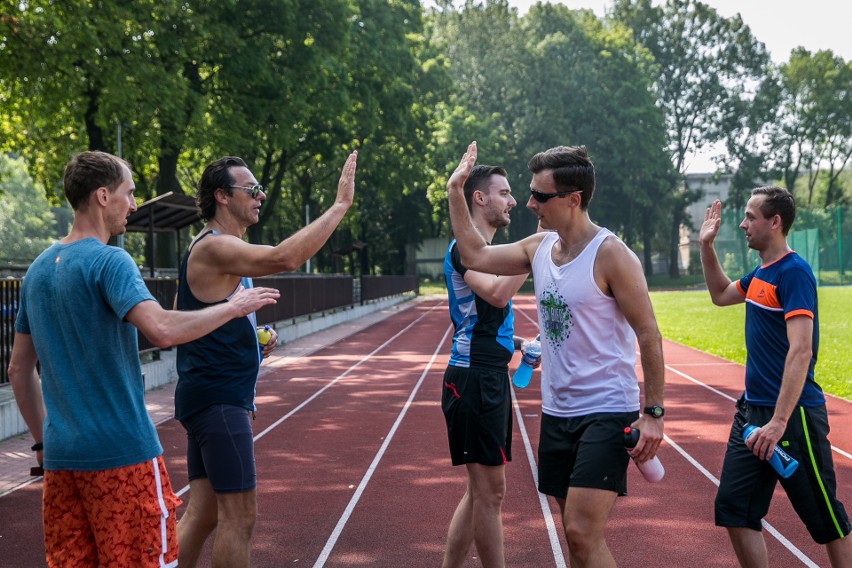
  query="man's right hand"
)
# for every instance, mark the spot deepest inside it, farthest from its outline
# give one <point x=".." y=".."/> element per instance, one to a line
<point x="249" y="301"/>
<point x="712" y="222"/>
<point x="456" y="182"/>
<point x="346" y="185"/>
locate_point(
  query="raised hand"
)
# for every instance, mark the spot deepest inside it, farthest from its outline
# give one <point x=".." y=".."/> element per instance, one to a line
<point x="346" y="185"/>
<point x="457" y="179"/>
<point x="251" y="300"/>
<point x="712" y="222"/>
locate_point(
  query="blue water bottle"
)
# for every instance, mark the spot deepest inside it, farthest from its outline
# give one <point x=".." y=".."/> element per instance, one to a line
<point x="522" y="375"/>
<point x="783" y="464"/>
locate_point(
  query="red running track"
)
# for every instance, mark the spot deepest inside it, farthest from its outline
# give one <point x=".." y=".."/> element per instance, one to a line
<point x="354" y="470"/>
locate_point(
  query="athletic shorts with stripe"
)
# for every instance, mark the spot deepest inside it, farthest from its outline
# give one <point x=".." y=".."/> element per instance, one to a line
<point x="747" y="482"/>
<point x="112" y="517"/>
<point x="477" y="407"/>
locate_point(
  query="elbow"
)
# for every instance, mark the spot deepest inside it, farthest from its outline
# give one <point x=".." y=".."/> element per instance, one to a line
<point x="161" y="337"/>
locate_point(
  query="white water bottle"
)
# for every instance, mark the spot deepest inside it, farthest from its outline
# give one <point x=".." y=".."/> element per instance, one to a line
<point x="521" y="377"/>
<point x="652" y="470"/>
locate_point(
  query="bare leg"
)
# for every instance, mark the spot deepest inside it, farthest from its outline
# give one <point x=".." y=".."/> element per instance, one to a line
<point x="584" y="516"/>
<point x="750" y="547"/>
<point x="236" y="519"/>
<point x="478" y="518"/>
<point x="840" y="552"/>
<point x="197" y="522"/>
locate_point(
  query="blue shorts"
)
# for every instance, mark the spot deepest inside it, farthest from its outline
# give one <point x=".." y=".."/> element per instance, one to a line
<point x="220" y="447"/>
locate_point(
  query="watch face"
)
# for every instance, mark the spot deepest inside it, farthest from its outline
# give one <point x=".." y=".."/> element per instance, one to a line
<point x="656" y="411"/>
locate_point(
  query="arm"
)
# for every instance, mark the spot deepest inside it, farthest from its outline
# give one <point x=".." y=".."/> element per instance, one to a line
<point x="240" y="258"/>
<point x="723" y="292"/>
<point x="510" y="259"/>
<point x="622" y="275"/>
<point x="26" y="386"/>
<point x="165" y="328"/>
<point x="496" y="290"/>
<point x="800" y="336"/>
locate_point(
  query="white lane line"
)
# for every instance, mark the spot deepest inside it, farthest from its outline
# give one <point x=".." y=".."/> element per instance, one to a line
<point x="335" y="534"/>
<point x="304" y="403"/>
<point x="553" y="535"/>
<point x="769" y="528"/>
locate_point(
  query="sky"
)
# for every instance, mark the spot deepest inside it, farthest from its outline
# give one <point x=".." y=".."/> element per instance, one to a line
<point x="780" y="24"/>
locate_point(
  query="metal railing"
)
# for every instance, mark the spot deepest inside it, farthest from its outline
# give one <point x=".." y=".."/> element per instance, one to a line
<point x="300" y="296"/>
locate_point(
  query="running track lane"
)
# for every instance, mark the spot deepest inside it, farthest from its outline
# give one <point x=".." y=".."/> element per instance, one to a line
<point x="355" y="471"/>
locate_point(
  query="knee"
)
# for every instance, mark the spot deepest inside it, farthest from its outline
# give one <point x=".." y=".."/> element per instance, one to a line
<point x="490" y="496"/>
<point x="580" y="541"/>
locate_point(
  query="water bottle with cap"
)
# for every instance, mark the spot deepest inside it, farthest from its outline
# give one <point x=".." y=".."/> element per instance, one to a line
<point x="652" y="470"/>
<point x="521" y="377"/>
<point x="780" y="461"/>
<point x="264" y="335"/>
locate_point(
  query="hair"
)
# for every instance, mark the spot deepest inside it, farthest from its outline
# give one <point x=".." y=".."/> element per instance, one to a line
<point x="88" y="171"/>
<point x="217" y="175"/>
<point x="478" y="175"/>
<point x="572" y="170"/>
<point x="779" y="202"/>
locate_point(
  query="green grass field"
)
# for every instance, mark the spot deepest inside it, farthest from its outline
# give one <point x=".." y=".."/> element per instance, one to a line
<point x="691" y="318"/>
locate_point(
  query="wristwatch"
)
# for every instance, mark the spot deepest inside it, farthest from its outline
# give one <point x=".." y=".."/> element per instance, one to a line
<point x="656" y="411"/>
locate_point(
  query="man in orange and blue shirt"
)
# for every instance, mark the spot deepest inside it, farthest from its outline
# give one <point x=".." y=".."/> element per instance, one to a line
<point x="781" y="396"/>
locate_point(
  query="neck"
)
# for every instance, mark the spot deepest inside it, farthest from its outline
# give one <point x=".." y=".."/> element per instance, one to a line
<point x="84" y="227"/>
<point x="773" y="252"/>
<point x="486" y="230"/>
<point x="226" y="226"/>
<point x="579" y="230"/>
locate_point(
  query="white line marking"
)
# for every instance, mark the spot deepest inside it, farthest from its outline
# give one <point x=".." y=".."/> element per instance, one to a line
<point x="304" y="403"/>
<point x="335" y="534"/>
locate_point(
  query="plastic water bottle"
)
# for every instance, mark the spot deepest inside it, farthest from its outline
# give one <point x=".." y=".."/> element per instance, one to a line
<point x="521" y="377"/>
<point x="782" y="463"/>
<point x="264" y="335"/>
<point x="652" y="470"/>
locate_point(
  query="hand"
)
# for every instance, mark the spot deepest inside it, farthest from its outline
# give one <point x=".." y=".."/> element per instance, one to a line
<point x="456" y="182"/>
<point x="270" y="345"/>
<point x="712" y="222"/>
<point x="650" y="436"/>
<point x="346" y="185"/>
<point x="762" y="441"/>
<point x="249" y="301"/>
<point x="524" y="352"/>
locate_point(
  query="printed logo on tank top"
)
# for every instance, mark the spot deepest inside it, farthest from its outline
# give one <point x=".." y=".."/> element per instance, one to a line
<point x="556" y="315"/>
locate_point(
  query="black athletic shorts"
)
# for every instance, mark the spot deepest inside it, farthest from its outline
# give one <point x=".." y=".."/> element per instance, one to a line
<point x="220" y="447"/>
<point x="477" y="406"/>
<point x="585" y="451"/>
<point x="747" y="482"/>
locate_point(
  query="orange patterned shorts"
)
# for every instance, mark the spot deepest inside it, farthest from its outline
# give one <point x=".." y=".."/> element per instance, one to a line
<point x="113" y="517"/>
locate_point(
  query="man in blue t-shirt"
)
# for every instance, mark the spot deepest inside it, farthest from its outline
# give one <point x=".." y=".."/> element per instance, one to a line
<point x="476" y="398"/>
<point x="781" y="396"/>
<point x="217" y="374"/>
<point x="81" y="304"/>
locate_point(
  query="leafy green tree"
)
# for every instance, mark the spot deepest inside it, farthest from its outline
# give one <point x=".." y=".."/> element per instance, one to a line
<point x="705" y="64"/>
<point x="814" y="129"/>
<point x="27" y="224"/>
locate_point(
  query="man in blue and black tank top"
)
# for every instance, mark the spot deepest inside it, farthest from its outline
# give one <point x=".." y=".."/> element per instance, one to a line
<point x="781" y="396"/>
<point x="217" y="373"/>
<point x="476" y="399"/>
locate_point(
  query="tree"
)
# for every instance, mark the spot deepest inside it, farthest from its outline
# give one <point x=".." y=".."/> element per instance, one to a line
<point x="27" y="225"/>
<point x="704" y="65"/>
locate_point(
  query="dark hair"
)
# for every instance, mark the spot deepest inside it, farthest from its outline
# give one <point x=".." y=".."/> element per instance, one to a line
<point x="88" y="171"/>
<point x="478" y="175"/>
<point x="572" y="170"/>
<point x="779" y="202"/>
<point x="217" y="175"/>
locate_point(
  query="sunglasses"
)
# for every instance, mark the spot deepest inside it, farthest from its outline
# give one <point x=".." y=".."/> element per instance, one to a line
<point x="545" y="197"/>
<point x="251" y="190"/>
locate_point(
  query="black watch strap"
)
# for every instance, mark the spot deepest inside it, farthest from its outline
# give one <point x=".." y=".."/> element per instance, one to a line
<point x="654" y="410"/>
<point x="38" y="446"/>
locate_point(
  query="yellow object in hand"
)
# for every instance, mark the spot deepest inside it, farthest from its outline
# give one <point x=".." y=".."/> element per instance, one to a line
<point x="264" y="335"/>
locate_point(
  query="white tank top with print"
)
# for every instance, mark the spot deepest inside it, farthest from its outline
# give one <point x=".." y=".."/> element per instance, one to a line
<point x="588" y="348"/>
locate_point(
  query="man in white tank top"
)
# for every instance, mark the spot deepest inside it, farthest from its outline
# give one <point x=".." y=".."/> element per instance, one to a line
<point x="593" y="307"/>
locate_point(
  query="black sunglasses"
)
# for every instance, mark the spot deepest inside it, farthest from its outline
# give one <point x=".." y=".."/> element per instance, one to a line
<point x="251" y="190"/>
<point x="545" y="197"/>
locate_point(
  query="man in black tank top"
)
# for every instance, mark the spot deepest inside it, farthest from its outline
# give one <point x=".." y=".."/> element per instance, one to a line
<point x="217" y="373"/>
